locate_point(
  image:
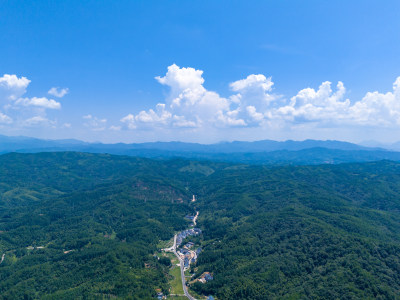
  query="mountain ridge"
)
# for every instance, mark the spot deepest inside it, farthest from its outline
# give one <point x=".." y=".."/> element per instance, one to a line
<point x="19" y="143"/>
<point x="265" y="152"/>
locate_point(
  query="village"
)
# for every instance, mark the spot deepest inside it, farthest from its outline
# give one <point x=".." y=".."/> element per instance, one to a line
<point x="187" y="253"/>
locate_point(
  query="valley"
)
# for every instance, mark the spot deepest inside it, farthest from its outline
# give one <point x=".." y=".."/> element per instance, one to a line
<point x="78" y="225"/>
<point x="199" y="150"/>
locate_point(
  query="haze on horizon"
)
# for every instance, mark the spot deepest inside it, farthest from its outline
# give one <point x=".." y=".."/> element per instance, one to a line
<point x="200" y="71"/>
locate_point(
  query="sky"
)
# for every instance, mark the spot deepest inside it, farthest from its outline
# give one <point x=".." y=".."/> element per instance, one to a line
<point x="200" y="71"/>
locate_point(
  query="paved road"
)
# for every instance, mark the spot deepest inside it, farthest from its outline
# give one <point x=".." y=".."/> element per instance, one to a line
<point x="171" y="249"/>
<point x="195" y="218"/>
<point x="184" y="282"/>
<point x="181" y="262"/>
<point x="182" y="273"/>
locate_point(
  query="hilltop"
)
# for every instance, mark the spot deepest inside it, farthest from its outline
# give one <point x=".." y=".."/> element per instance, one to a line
<point x="76" y="224"/>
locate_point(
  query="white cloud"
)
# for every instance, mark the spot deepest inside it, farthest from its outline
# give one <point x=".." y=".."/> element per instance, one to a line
<point x="180" y="121"/>
<point x="12" y="87"/>
<point x="377" y="109"/>
<point x="189" y="104"/>
<point x="39" y="102"/>
<point x="159" y="116"/>
<point x="230" y="119"/>
<point x="180" y="79"/>
<point x="253" y="104"/>
<point x="38" y="121"/>
<point x="322" y="105"/>
<point x="129" y="121"/>
<point x="58" y="92"/>
<point x="115" y="128"/>
<point x="255" y="90"/>
<point x="4" y="119"/>
<point x="254" y="98"/>
<point x="328" y="108"/>
<point x="148" y="119"/>
<point x="253" y="82"/>
<point x="95" y="123"/>
<point x="23" y="111"/>
<point x="253" y="114"/>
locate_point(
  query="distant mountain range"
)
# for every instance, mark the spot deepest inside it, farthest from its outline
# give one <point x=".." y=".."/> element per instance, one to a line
<point x="260" y="152"/>
<point x="21" y="143"/>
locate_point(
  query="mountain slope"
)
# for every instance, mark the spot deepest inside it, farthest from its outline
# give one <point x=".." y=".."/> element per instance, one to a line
<point x="78" y="225"/>
<point x="258" y="152"/>
<point x="84" y="226"/>
<point x="302" y="232"/>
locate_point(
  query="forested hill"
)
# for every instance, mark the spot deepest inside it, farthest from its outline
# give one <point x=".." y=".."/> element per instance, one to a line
<point x="265" y="152"/>
<point x="86" y="226"/>
<point x="320" y="232"/>
<point x="79" y="226"/>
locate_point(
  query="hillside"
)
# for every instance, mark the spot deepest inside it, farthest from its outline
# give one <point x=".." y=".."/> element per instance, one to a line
<point x="78" y="225"/>
<point x="329" y="232"/>
<point x="265" y="152"/>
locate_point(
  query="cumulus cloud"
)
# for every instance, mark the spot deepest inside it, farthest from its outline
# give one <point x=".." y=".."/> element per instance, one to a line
<point x="24" y="111"/>
<point x="377" y="109"/>
<point x="4" y="119"/>
<point x="94" y="123"/>
<point x="254" y="98"/>
<point x="254" y="104"/>
<point x="42" y="102"/>
<point x="58" y="92"/>
<point x="180" y="121"/>
<point x="253" y="114"/>
<point x="230" y="119"/>
<point x="129" y="121"/>
<point x="188" y="95"/>
<point x="331" y="108"/>
<point x="317" y="105"/>
<point x="159" y="116"/>
<point x="115" y="128"/>
<point x="181" y="79"/>
<point x="38" y="121"/>
<point x="12" y="87"/>
<point x="253" y="83"/>
<point x="150" y="119"/>
<point x="189" y="104"/>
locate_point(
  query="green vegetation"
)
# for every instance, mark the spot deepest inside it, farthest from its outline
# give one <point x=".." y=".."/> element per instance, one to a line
<point x="328" y="232"/>
<point x="88" y="226"/>
<point x="197" y="168"/>
<point x="165" y="244"/>
<point x="99" y="219"/>
<point x="175" y="280"/>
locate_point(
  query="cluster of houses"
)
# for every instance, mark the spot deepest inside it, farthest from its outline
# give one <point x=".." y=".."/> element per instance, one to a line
<point x="188" y="255"/>
<point x="161" y="296"/>
<point x="184" y="234"/>
<point x="205" y="277"/>
<point x="189" y="217"/>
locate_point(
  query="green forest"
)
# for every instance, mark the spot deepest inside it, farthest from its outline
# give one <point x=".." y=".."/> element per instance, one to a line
<point x="86" y="226"/>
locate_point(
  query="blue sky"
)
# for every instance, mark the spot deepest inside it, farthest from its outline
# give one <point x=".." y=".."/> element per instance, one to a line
<point x="266" y="68"/>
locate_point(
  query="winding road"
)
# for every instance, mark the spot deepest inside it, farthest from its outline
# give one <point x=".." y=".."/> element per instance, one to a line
<point x="195" y="218"/>
<point x="185" y="290"/>
<point x="181" y="262"/>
